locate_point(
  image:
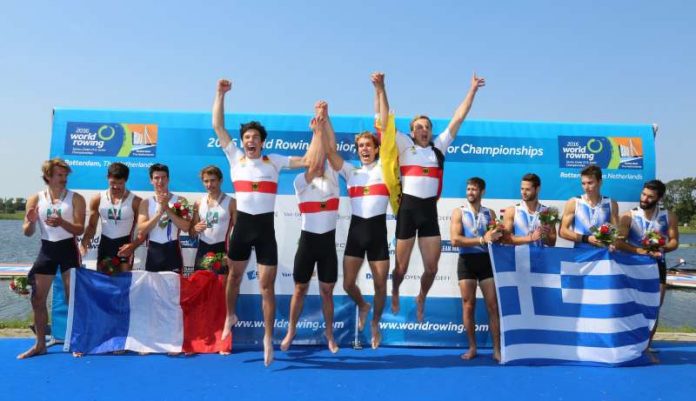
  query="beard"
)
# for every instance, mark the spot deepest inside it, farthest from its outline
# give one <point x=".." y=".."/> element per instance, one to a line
<point x="648" y="205"/>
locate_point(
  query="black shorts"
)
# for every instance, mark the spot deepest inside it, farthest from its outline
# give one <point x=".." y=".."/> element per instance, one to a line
<point x="417" y="215"/>
<point x="368" y="235"/>
<point x="62" y="254"/>
<point x="204" y="247"/>
<point x="662" y="267"/>
<point x="319" y="249"/>
<point x="474" y="266"/>
<point x="164" y="257"/>
<point x="257" y="231"/>
<point x="108" y="248"/>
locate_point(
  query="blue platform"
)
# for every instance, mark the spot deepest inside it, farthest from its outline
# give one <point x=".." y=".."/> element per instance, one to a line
<point x="306" y="373"/>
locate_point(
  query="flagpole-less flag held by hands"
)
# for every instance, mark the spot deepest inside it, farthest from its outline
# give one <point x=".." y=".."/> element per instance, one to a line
<point x="146" y="312"/>
<point x="574" y="305"/>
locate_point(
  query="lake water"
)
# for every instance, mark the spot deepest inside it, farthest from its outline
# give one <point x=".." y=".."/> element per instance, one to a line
<point x="15" y="248"/>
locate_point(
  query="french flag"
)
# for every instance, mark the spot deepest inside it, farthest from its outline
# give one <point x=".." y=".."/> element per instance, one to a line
<point x="146" y="312"/>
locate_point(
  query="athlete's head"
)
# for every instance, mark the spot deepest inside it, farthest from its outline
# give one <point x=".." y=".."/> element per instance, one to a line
<point x="652" y="194"/>
<point x="530" y="187"/>
<point x="159" y="177"/>
<point x="55" y="172"/>
<point x="367" y="147"/>
<point x="475" y="188"/>
<point x="116" y="176"/>
<point x="591" y="179"/>
<point x="253" y="135"/>
<point x="421" y="130"/>
<point x="212" y="178"/>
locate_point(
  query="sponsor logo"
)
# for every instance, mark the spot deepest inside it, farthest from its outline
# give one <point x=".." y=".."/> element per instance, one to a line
<point x="188" y="242"/>
<point x="610" y="153"/>
<point x="411" y="277"/>
<point x="446" y="247"/>
<point x="111" y="139"/>
<point x="252" y="275"/>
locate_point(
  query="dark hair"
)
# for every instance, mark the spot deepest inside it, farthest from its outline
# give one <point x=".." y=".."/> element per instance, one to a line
<point x="592" y="170"/>
<point x="253" y="125"/>
<point x="158" y="167"/>
<point x="657" y="186"/>
<point x="479" y="182"/>
<point x="212" y="170"/>
<point x="533" y="178"/>
<point x="118" y="171"/>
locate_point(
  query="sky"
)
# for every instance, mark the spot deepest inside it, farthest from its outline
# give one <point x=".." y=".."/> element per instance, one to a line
<point x="590" y="61"/>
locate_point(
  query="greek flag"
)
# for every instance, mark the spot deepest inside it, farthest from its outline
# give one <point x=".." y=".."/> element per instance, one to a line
<point x="574" y="305"/>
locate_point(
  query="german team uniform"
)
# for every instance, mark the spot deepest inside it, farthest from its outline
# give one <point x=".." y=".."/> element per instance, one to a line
<point x="255" y="184"/>
<point x="421" y="180"/>
<point x="369" y="198"/>
<point x="318" y="203"/>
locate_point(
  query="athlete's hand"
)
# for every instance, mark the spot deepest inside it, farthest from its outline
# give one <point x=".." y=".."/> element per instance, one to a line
<point x="492" y="235"/>
<point x="592" y="240"/>
<point x="54" y="221"/>
<point x="535" y="235"/>
<point x="655" y="254"/>
<point x="83" y="250"/>
<point x="477" y="82"/>
<point x="33" y="214"/>
<point x="163" y="202"/>
<point x="126" y="250"/>
<point x="377" y="79"/>
<point x="200" y="227"/>
<point x="224" y="86"/>
<point x="321" y="108"/>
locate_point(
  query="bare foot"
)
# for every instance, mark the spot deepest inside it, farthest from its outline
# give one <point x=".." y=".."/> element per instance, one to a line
<point x="376" y="336"/>
<point x="395" y="307"/>
<point x="230" y="321"/>
<point x="33" y="351"/>
<point x="362" y="315"/>
<point x="267" y="351"/>
<point x="287" y="341"/>
<point x="333" y="347"/>
<point x="496" y="355"/>
<point x="470" y="354"/>
<point x="224" y="352"/>
<point x="420" y="307"/>
<point x="77" y="354"/>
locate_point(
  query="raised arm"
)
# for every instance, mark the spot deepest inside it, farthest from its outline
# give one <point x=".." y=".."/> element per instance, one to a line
<point x="223" y="86"/>
<point x="321" y="109"/>
<point x="463" y="109"/>
<point x="381" y="101"/>
<point x="314" y="157"/>
<point x="92" y="221"/>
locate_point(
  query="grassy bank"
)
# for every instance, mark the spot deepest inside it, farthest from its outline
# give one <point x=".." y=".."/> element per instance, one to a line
<point x="687" y="230"/>
<point x="679" y="329"/>
<point x="15" y="323"/>
<point x="12" y="216"/>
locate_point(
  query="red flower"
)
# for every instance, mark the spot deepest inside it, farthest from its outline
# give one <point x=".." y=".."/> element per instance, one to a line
<point x="217" y="265"/>
<point x="661" y="241"/>
<point x="210" y="254"/>
<point x="177" y="205"/>
<point x="13" y="286"/>
<point x="604" y="229"/>
<point x="116" y="261"/>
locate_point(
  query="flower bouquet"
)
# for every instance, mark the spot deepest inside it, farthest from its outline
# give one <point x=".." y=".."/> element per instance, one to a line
<point x="109" y="266"/>
<point x="20" y="285"/>
<point x="214" y="262"/>
<point x="606" y="233"/>
<point x="549" y="216"/>
<point x="652" y="241"/>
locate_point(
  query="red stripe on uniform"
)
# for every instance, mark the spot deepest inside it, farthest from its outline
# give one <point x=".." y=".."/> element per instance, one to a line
<point x="316" y="207"/>
<point x="266" y="187"/>
<point x="376" y="189"/>
<point x="418" y="171"/>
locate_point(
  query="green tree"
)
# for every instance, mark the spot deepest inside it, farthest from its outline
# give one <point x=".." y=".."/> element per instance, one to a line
<point x="680" y="198"/>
